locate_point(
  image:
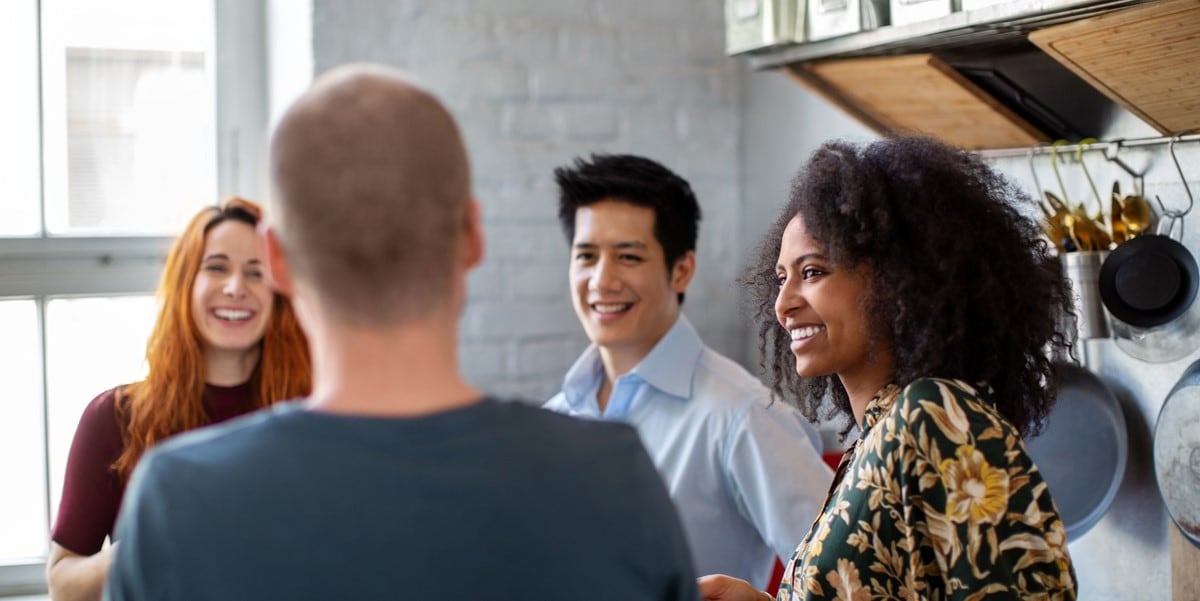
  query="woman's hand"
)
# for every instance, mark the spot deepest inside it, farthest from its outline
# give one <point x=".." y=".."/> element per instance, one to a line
<point x="718" y="587"/>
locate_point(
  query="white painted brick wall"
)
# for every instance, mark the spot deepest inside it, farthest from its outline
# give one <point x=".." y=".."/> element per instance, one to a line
<point x="535" y="83"/>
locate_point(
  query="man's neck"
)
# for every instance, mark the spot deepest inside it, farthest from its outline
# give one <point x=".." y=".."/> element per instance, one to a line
<point x="406" y="370"/>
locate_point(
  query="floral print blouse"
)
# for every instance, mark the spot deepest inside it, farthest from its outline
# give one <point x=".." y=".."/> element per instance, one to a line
<point x="937" y="500"/>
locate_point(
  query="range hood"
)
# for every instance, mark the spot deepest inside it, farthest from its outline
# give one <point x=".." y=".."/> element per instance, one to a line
<point x="1094" y="64"/>
<point x="1015" y="96"/>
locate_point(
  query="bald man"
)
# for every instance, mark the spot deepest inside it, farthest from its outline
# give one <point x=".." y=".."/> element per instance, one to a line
<point x="396" y="479"/>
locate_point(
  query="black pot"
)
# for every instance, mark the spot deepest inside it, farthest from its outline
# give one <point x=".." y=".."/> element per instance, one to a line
<point x="1148" y="281"/>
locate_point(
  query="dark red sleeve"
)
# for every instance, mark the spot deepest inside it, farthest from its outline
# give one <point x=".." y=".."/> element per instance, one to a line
<point x="91" y="493"/>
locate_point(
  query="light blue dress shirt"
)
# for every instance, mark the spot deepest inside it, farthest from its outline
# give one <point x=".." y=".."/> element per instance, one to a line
<point x="745" y="473"/>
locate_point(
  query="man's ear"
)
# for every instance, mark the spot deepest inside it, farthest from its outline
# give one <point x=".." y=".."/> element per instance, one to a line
<point x="471" y="246"/>
<point x="682" y="272"/>
<point x="279" y="275"/>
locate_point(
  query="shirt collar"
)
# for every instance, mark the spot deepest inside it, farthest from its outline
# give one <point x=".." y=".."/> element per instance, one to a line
<point x="879" y="405"/>
<point x="668" y="367"/>
<point x="671" y="363"/>
<point x="886" y="397"/>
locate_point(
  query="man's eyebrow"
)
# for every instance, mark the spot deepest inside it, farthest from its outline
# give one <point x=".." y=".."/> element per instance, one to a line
<point x="618" y="245"/>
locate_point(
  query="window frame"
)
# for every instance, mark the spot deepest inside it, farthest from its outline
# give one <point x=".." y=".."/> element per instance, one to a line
<point x="47" y="266"/>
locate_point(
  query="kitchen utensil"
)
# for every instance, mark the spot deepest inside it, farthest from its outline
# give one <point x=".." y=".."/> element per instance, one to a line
<point x="1084" y="232"/>
<point x="1087" y="175"/>
<point x="1076" y="232"/>
<point x="1095" y="231"/>
<point x="1082" y="450"/>
<point x="1054" y="230"/>
<point x="1056" y="223"/>
<point x="1136" y="214"/>
<point x="1149" y="286"/>
<point x="1117" y="227"/>
<point x="1177" y="453"/>
<point x="1057" y="204"/>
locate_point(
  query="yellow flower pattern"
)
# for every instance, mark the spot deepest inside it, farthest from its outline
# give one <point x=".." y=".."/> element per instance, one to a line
<point x="937" y="500"/>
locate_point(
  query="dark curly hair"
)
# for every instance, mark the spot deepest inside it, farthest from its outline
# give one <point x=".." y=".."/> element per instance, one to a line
<point x="638" y="181"/>
<point x="961" y="283"/>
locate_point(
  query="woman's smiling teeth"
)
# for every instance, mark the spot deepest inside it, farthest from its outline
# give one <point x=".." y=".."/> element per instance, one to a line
<point x="608" y="308"/>
<point x="804" y="332"/>
<point x="233" y="314"/>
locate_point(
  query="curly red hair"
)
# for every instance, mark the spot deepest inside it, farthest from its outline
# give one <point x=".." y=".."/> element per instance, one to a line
<point x="170" y="399"/>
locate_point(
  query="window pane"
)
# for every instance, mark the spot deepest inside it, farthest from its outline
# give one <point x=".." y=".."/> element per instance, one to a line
<point x="23" y="514"/>
<point x="20" y="206"/>
<point x="129" y="114"/>
<point x="92" y="344"/>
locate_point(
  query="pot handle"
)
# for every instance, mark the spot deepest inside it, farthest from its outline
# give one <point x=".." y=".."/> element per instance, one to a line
<point x="1166" y="225"/>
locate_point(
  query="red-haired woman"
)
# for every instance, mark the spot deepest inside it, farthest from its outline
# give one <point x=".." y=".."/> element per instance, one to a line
<point x="223" y="345"/>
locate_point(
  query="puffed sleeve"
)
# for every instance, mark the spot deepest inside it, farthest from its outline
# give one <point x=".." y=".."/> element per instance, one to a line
<point x="979" y="519"/>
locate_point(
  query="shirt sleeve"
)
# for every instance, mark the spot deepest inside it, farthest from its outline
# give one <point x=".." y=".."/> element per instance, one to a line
<point x="981" y="518"/>
<point x="92" y="491"/>
<point x="776" y="474"/>
<point x="142" y="566"/>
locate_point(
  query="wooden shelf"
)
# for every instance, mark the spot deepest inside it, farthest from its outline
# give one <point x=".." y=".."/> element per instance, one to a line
<point x="1142" y="59"/>
<point x="917" y="93"/>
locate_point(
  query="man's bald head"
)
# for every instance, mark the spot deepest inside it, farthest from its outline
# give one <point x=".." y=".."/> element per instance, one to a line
<point x="371" y="186"/>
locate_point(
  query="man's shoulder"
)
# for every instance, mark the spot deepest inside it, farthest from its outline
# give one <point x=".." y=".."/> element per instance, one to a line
<point x="553" y="420"/>
<point x="726" y="383"/>
<point x="231" y="442"/>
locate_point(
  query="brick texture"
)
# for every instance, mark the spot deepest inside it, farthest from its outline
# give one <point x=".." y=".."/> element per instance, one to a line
<point x="535" y="83"/>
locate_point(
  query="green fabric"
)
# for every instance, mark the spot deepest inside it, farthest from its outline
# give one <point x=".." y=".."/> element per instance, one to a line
<point x="937" y="500"/>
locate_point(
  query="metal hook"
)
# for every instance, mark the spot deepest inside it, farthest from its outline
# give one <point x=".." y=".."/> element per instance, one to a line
<point x="1054" y="165"/>
<point x="1037" y="183"/>
<point x="1171" y="216"/>
<point x="1086" y="174"/>
<point x="1182" y="178"/>
<point x="1139" y="180"/>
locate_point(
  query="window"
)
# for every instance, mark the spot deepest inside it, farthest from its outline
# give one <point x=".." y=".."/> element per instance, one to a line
<point x="121" y="119"/>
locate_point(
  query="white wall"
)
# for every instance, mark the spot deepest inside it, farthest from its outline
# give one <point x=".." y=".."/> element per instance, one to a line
<point x="535" y="83"/>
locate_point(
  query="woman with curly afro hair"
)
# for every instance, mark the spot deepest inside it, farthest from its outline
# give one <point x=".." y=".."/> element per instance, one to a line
<point x="903" y="283"/>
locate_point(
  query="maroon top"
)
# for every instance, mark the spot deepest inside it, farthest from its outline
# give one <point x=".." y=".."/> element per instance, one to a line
<point x="92" y="491"/>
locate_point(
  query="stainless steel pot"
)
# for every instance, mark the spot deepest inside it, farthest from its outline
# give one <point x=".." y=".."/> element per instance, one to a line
<point x="1177" y="453"/>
